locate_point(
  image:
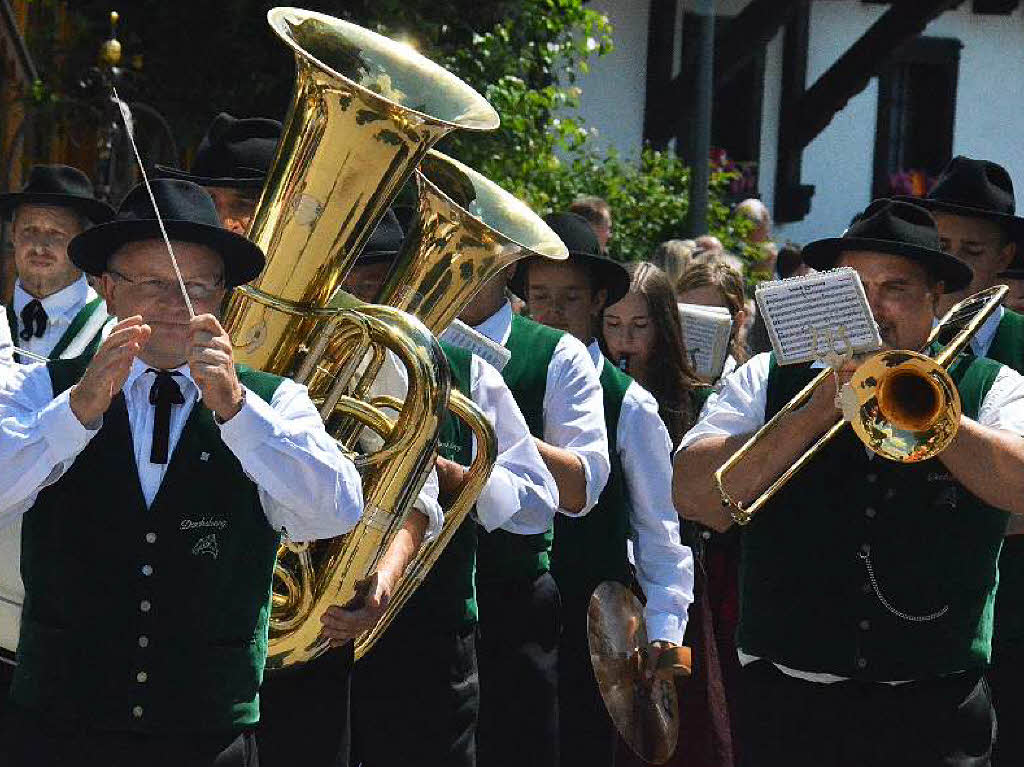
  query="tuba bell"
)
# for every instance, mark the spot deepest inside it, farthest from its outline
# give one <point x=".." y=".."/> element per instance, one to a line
<point x="364" y="112"/>
<point x="467" y="230"/>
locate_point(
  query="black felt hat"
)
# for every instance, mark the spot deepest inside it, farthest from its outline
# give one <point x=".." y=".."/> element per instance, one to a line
<point x="584" y="248"/>
<point x="59" y="185"/>
<point x="898" y="228"/>
<point x="976" y="189"/>
<point x="234" y="152"/>
<point x="188" y="214"/>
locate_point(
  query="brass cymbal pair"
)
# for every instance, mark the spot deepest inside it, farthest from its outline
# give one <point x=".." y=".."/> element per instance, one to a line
<point x="643" y="706"/>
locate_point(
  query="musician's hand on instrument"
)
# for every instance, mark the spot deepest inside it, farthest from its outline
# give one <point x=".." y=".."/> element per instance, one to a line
<point x="108" y="369"/>
<point x="211" y="361"/>
<point x="361" y="613"/>
<point x="450" y="477"/>
<point x="654" y="651"/>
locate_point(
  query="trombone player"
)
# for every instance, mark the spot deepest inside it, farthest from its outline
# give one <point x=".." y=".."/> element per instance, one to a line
<point x="866" y="585"/>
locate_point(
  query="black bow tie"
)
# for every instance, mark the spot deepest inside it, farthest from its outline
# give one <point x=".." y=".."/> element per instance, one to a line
<point x="164" y="393"/>
<point x="33" y="320"/>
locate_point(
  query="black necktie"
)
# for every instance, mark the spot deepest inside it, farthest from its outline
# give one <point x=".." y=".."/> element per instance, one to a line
<point x="33" y="320"/>
<point x="164" y="393"/>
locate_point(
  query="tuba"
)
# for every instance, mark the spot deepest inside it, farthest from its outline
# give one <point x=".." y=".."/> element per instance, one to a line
<point x="902" y="404"/>
<point x="467" y="230"/>
<point x="365" y="111"/>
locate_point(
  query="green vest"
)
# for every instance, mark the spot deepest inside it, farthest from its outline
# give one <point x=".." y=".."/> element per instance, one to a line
<point x="1008" y="348"/>
<point x="590" y="549"/>
<point x="503" y="555"/>
<point x="446" y="600"/>
<point x="806" y="598"/>
<point x="109" y="642"/>
<point x="78" y="325"/>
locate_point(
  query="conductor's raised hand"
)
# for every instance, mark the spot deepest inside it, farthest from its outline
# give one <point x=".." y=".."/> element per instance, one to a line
<point x="212" y="364"/>
<point x="108" y="369"/>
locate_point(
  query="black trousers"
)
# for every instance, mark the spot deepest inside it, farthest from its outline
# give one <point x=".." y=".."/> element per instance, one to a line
<point x="1006" y="677"/>
<point x="30" y="739"/>
<point x="517" y="651"/>
<point x="415" y="699"/>
<point x="587" y="735"/>
<point x="945" y="721"/>
<point x="6" y="677"/>
<point x="304" y="713"/>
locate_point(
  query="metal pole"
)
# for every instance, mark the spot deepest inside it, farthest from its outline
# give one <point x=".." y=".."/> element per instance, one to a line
<point x="700" y="173"/>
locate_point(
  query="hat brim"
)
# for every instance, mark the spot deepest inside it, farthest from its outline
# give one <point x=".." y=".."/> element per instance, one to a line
<point x="248" y="182"/>
<point x="1014" y="224"/>
<point x="954" y="273"/>
<point x="608" y="274"/>
<point x="243" y="260"/>
<point x="96" y="211"/>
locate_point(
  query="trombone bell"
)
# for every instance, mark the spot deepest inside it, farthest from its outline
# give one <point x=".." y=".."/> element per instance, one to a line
<point x="908" y="406"/>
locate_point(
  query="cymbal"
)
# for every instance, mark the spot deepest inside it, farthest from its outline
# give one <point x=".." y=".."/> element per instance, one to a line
<point x="645" y="711"/>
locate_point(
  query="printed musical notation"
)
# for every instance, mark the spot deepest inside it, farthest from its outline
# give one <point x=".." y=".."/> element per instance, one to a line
<point x="809" y="317"/>
<point x="463" y="336"/>
<point x="706" y="333"/>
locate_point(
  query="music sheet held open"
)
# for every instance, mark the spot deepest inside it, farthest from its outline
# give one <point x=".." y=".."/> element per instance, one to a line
<point x="706" y="332"/>
<point x="808" y="317"/>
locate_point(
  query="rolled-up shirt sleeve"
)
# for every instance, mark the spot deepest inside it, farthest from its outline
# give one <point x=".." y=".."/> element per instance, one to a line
<point x="1003" y="406"/>
<point x="574" y="413"/>
<point x="738" y="407"/>
<point x="520" y="496"/>
<point x="664" y="567"/>
<point x="307" y="485"/>
<point x="40" y="437"/>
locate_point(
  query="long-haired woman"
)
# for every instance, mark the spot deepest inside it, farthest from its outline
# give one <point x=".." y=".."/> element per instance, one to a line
<point x="642" y="334"/>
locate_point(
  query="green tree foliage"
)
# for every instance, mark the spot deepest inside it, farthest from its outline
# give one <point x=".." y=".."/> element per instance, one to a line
<point x="525" y="56"/>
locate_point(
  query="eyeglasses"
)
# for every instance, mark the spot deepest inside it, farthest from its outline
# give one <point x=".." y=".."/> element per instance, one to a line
<point x="198" y="291"/>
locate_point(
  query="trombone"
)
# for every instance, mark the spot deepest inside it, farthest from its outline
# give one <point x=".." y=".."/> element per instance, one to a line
<point x="903" y="405"/>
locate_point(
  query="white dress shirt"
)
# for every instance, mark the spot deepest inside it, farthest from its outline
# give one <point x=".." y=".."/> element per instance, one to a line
<point x="573" y="403"/>
<point x="520" y="496"/>
<point x="664" y="567"/>
<point x="306" y="485"/>
<point x="738" y="408"/>
<point x="61" y="309"/>
<point x="6" y="345"/>
<point x="986" y="334"/>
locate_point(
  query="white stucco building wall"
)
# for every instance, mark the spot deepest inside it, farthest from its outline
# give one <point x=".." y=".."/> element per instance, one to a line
<point x="614" y="91"/>
<point x="989" y="120"/>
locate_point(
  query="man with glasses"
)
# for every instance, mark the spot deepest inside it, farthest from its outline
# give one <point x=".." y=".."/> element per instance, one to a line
<point x="154" y="483"/>
<point x="55" y="313"/>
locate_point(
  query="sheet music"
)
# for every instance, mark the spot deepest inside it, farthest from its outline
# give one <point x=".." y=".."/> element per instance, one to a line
<point x="706" y="333"/>
<point x="809" y="316"/>
<point x="463" y="336"/>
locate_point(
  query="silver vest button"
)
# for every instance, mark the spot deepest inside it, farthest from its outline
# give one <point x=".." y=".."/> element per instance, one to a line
<point x="147" y="569"/>
<point x="150" y="537"/>
<point x="145" y="605"/>
<point x="143" y="641"/>
<point x="141" y="677"/>
<point x="137" y="712"/>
